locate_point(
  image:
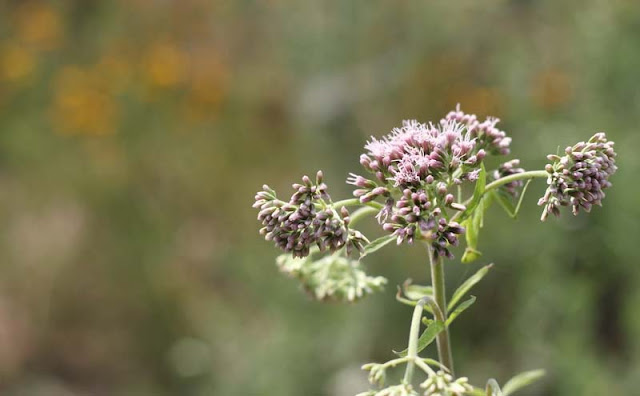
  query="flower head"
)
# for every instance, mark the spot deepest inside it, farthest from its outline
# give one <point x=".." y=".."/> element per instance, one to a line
<point x="331" y="278"/>
<point x="415" y="167"/>
<point x="579" y="177"/>
<point x="307" y="219"/>
<point x="488" y="136"/>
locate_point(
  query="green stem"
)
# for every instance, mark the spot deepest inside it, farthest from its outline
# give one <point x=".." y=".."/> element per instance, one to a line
<point x="359" y="214"/>
<point x="412" y="350"/>
<point x="516" y="176"/>
<point x="356" y="202"/>
<point x="437" y="280"/>
<point x="502" y="181"/>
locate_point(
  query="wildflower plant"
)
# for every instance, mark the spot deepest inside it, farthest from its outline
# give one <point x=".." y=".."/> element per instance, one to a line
<point x="413" y="182"/>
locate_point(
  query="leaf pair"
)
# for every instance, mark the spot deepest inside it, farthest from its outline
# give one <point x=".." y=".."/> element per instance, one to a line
<point x="434" y="327"/>
<point x="473" y="216"/>
<point x="504" y="199"/>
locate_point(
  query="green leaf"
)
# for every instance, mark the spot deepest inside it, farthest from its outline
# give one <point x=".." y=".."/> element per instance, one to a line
<point x="470" y="255"/>
<point x="521" y="380"/>
<point x="472" y="230"/>
<point x="377" y="244"/>
<point x="461" y="308"/>
<point x="493" y="389"/>
<point x="524" y="191"/>
<point x="477" y="193"/>
<point x="506" y="201"/>
<point x="416" y="292"/>
<point x="467" y="285"/>
<point x="427" y="336"/>
<point x="413" y="293"/>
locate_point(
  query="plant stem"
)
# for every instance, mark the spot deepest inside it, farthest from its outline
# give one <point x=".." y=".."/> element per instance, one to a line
<point x="412" y="349"/>
<point x="502" y="181"/>
<point x="437" y="281"/>
<point x="516" y="176"/>
<point x="359" y="214"/>
<point x="356" y="202"/>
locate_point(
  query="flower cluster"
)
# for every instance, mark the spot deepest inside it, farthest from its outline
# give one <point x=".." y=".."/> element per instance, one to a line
<point x="331" y="278"/>
<point x="394" y="390"/>
<point x="506" y="169"/>
<point x="485" y="133"/>
<point x="308" y="219"/>
<point x="414" y="169"/>
<point x="579" y="177"/>
<point x="443" y="384"/>
<point x="421" y="153"/>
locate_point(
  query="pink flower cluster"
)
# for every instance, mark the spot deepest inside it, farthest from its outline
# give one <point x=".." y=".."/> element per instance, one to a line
<point x="416" y="165"/>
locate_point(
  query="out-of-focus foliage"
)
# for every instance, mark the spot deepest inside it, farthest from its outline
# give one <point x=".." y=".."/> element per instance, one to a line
<point x="135" y="133"/>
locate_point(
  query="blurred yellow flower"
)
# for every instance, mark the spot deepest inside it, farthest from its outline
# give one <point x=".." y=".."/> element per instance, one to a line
<point x="480" y="100"/>
<point x="82" y="104"/>
<point x="165" y="65"/>
<point x="206" y="88"/>
<point x="116" y="71"/>
<point x="551" y="89"/>
<point x="16" y="62"/>
<point x="38" y="24"/>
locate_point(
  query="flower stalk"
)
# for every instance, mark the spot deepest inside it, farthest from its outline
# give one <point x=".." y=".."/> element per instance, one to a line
<point x="516" y="177"/>
<point x="438" y="282"/>
<point x="414" y="333"/>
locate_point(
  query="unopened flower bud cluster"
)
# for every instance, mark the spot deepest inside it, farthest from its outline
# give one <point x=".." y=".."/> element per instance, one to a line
<point x="443" y="384"/>
<point x="416" y="169"/>
<point x="308" y="219"/>
<point x="580" y="177"/>
<point x="331" y="278"/>
<point x="394" y="390"/>
<point x="507" y="169"/>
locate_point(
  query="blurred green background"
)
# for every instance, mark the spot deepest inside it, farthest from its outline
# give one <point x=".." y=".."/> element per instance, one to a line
<point x="134" y="134"/>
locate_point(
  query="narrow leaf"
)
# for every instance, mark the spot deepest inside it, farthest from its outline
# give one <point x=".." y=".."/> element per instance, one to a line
<point x="427" y="337"/>
<point x="472" y="229"/>
<point x="470" y="255"/>
<point x="416" y="292"/>
<point x="473" y="225"/>
<point x="524" y="190"/>
<point x="493" y="389"/>
<point x="477" y="193"/>
<point x="377" y="244"/>
<point x="461" y="308"/>
<point x="467" y="285"/>
<point x="410" y="294"/>
<point x="403" y="300"/>
<point x="521" y="380"/>
<point x="504" y="199"/>
<point x="471" y="232"/>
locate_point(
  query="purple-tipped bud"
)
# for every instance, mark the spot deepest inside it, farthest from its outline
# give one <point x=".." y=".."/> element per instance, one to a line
<point x="585" y="171"/>
<point x="448" y="199"/>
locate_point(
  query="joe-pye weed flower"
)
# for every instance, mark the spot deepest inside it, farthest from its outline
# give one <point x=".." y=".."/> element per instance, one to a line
<point x="427" y="183"/>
